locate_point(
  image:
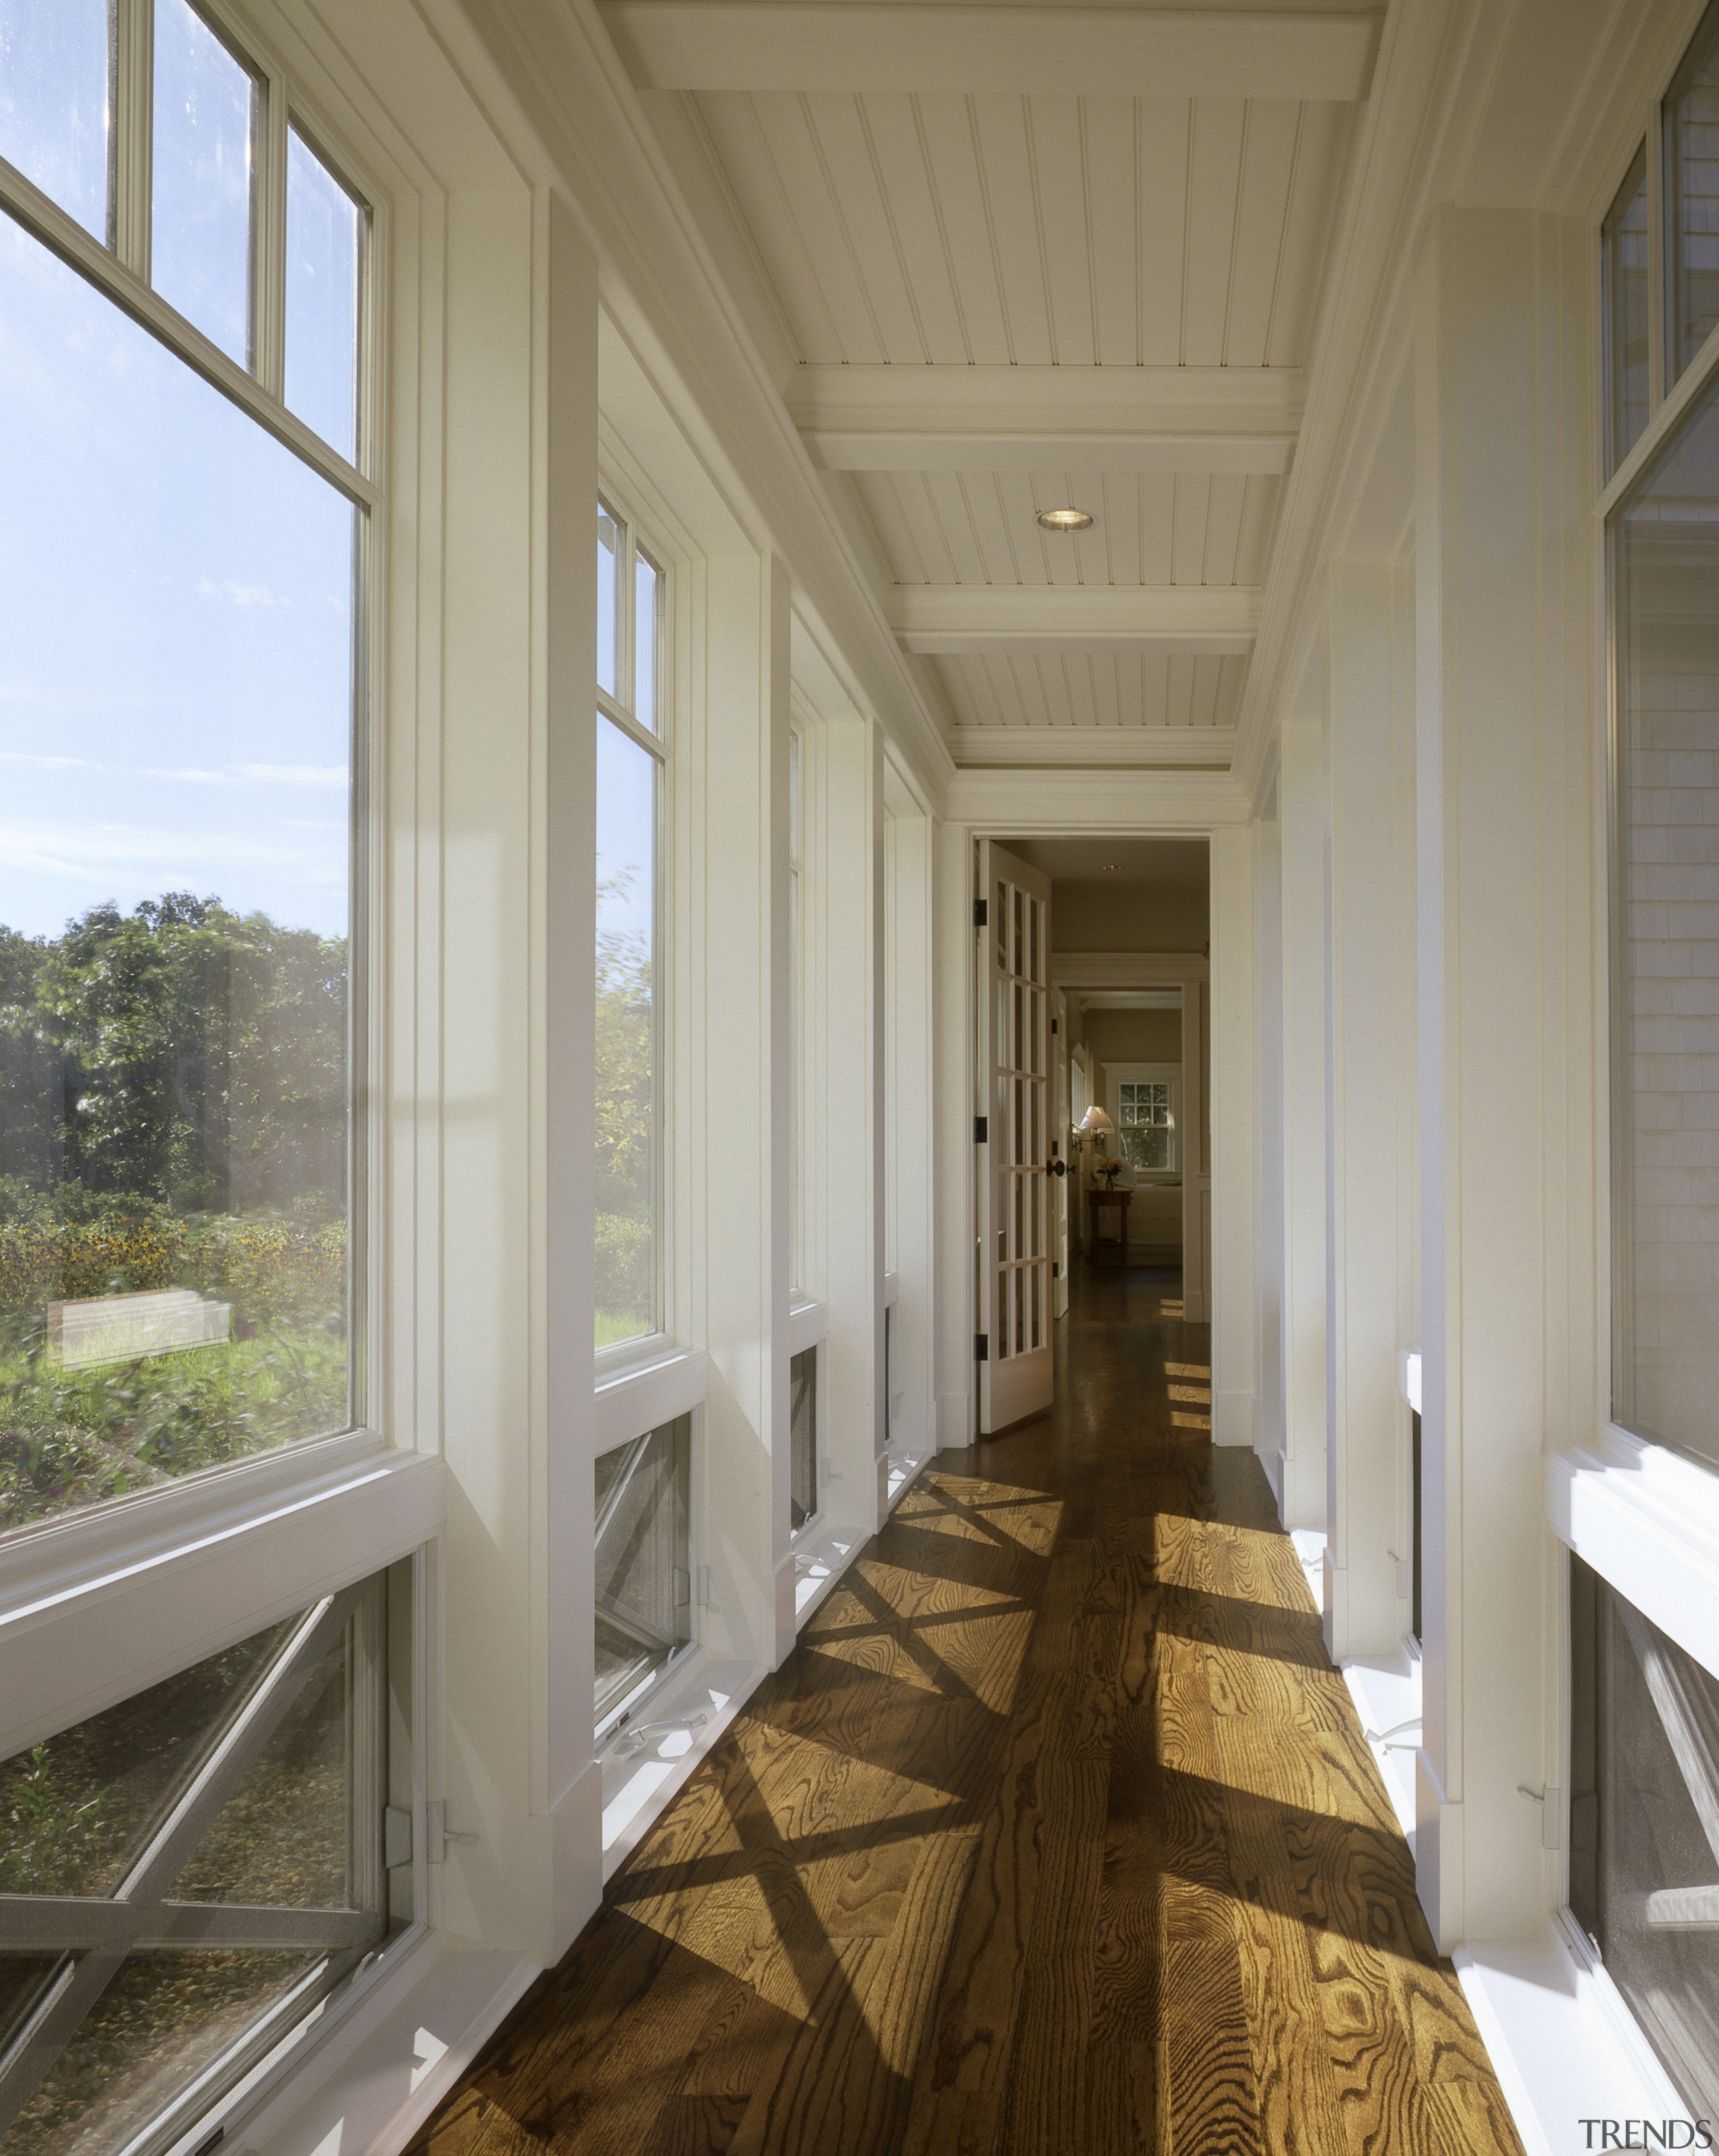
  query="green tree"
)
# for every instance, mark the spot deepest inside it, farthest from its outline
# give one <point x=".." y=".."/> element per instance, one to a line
<point x="626" y="1142"/>
<point x="181" y="1055"/>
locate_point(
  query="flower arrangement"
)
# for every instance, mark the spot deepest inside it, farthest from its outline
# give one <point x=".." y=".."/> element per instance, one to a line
<point x="1109" y="1166"/>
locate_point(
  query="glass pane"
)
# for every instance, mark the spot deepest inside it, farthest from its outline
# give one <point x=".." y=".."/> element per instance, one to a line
<point x="293" y="1804"/>
<point x="175" y="744"/>
<point x="82" y="1805"/>
<point x="1691" y="140"/>
<point x="608" y="600"/>
<point x="1645" y="1826"/>
<point x="285" y="1836"/>
<point x="802" y="1438"/>
<point x="324" y="236"/>
<point x="205" y="164"/>
<point x="626" y="1038"/>
<point x="55" y="111"/>
<point x="647" y="612"/>
<point x="1665" y="905"/>
<point x="1624" y="262"/>
<point x="164" y="2019"/>
<point x="643" y="1560"/>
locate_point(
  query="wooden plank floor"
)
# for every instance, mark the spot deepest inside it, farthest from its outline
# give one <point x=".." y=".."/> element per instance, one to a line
<point x="1057" y="1833"/>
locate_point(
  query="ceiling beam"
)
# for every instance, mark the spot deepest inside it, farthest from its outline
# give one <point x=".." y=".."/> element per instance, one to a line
<point x="924" y="46"/>
<point x="964" y="620"/>
<point x="1048" y="419"/>
<point x="1144" y="748"/>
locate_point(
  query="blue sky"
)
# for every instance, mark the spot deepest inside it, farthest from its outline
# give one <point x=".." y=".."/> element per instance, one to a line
<point x="176" y="624"/>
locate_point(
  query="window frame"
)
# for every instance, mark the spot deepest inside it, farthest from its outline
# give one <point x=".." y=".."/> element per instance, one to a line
<point x="617" y="707"/>
<point x="96" y="1605"/>
<point x="83" y="1543"/>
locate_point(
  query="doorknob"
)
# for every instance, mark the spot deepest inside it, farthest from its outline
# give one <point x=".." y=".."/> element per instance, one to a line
<point x="1056" y="1168"/>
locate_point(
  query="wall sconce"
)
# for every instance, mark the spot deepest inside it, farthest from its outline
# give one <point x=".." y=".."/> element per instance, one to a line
<point x="1092" y="1126"/>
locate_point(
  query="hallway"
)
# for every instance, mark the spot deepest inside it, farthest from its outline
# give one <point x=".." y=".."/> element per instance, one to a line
<point x="1057" y="1832"/>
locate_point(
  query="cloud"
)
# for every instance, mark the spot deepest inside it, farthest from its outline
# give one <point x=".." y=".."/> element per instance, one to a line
<point x="325" y="777"/>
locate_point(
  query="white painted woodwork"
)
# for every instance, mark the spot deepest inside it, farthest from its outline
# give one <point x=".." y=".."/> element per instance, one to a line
<point x="1371" y="1003"/>
<point x="1508" y="955"/>
<point x="1303" y="810"/>
<point x="962" y="618"/>
<point x="739" y="778"/>
<point x="1150" y="528"/>
<point x="1040" y="419"/>
<point x="1146" y="747"/>
<point x="1052" y="701"/>
<point x="830" y="47"/>
<point x="845" y="960"/>
<point x="1217" y="1054"/>
<point x="945" y="229"/>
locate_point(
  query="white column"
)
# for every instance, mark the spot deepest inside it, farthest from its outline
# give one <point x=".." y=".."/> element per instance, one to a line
<point x="1268" y="1117"/>
<point x="1303" y="807"/>
<point x="1372" y="1007"/>
<point x="511" y="1752"/>
<point x="1234" y="1330"/>
<point x="1506" y="961"/>
<point x="850" y="958"/>
<point x="912" y="1149"/>
<point x="739" y="775"/>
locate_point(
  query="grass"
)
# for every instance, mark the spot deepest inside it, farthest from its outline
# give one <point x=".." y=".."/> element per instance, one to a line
<point x="613" y="1326"/>
<point x="73" y="1438"/>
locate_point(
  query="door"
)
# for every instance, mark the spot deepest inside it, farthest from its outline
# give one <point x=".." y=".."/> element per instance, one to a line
<point x="1014" y="1140"/>
<point x="1061" y="1155"/>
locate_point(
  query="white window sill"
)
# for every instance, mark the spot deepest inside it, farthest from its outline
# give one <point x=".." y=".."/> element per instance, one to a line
<point x="905" y="1469"/>
<point x="1564" y="2044"/>
<point x="387" y="2063"/>
<point x="119" y="1617"/>
<point x="807" y="1326"/>
<point x="822" y="1551"/>
<point x="680" y="1724"/>
<point x="1647" y="1520"/>
<point x="1386" y="1697"/>
<point x="645" y="1395"/>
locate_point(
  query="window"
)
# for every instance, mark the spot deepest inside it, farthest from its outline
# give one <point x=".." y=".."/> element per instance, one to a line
<point x="187" y="1875"/>
<point x="1145" y="1125"/>
<point x="1624" y="261"/>
<point x="1644" y="1825"/>
<point x="802" y="1438"/>
<point x="1665" y="542"/>
<point x="644" y="1562"/>
<point x="1691" y="196"/>
<point x="181" y="610"/>
<point x="631" y="590"/>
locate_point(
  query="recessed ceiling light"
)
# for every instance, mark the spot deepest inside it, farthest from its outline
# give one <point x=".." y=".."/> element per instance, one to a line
<point x="1113" y="868"/>
<point x="1064" y="519"/>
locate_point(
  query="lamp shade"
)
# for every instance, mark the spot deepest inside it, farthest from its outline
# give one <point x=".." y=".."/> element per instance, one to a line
<point x="1096" y="1123"/>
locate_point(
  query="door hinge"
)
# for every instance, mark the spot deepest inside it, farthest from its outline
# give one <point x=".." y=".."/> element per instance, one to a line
<point x="982" y="913"/>
<point x="1055" y="1269"/>
<point x="1053" y="1025"/>
<point x="982" y="1130"/>
<point x="981" y="1347"/>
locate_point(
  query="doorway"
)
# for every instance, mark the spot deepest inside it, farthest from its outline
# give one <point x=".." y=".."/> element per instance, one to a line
<point x="1102" y="1030"/>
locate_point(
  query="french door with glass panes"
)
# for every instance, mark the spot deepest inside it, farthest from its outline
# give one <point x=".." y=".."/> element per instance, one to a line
<point x="1016" y="1169"/>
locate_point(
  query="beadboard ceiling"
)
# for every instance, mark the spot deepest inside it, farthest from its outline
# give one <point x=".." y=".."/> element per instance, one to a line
<point x="1010" y="281"/>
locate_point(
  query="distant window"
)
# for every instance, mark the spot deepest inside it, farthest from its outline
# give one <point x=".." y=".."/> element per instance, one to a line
<point x="1146" y="1124"/>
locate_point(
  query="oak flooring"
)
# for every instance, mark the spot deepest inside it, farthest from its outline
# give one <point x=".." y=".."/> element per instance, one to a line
<point x="1057" y="1833"/>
